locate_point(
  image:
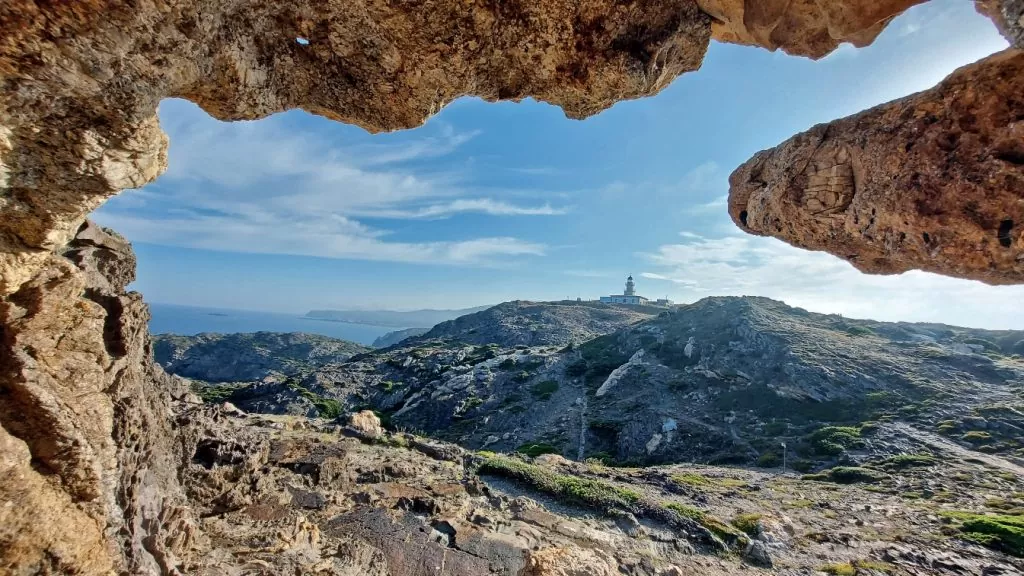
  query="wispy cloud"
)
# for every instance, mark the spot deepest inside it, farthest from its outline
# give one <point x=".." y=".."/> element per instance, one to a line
<point x="275" y="187"/>
<point x="747" y="265"/>
<point x="332" y="237"/>
<point x="480" y="205"/>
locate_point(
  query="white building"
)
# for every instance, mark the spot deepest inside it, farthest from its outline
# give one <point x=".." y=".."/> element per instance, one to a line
<point x="628" y="297"/>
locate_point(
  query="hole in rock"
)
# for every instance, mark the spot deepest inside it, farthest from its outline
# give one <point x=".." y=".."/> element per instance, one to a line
<point x="1005" y="240"/>
<point x="743" y="217"/>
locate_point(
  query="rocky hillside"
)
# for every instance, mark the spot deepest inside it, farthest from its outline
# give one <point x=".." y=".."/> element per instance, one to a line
<point x="392" y="338"/>
<point x="249" y="356"/>
<point x="725" y="380"/>
<point x="539" y="323"/>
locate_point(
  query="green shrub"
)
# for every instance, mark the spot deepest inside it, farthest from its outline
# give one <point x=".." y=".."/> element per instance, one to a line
<point x="858" y="330"/>
<point x="576" y="369"/>
<point x="846" y="475"/>
<point x="834" y="440"/>
<point x="507" y="364"/>
<point x="523" y="376"/>
<point x="769" y="460"/>
<point x="328" y="407"/>
<point x="544" y="389"/>
<point x="536" y="449"/>
<point x="585" y="491"/>
<point x="1003" y="533"/>
<point x="868" y="428"/>
<point x="775" y="428"/>
<point x="902" y="461"/>
<point x="803" y="465"/>
<point x="215" y="393"/>
<point x="748" y="523"/>
<point x="977" y="437"/>
<point x="727" y="533"/>
<point x="844" y="569"/>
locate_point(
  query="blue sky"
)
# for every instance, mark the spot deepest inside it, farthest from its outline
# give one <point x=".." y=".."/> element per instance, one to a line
<point x="491" y="202"/>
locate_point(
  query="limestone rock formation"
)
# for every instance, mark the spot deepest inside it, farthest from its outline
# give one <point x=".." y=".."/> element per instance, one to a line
<point x="933" y="181"/>
<point x="90" y="461"/>
<point x="801" y="27"/>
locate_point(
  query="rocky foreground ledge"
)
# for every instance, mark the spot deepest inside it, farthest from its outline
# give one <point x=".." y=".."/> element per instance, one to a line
<point x="287" y="495"/>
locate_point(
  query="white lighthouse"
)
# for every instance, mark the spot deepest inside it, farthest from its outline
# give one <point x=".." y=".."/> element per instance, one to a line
<point x="629" y="296"/>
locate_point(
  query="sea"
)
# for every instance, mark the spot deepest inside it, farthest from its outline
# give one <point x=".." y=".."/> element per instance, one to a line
<point x="190" y="320"/>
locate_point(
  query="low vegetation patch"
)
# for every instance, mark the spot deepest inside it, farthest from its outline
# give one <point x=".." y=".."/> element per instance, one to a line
<point x="215" y="393"/>
<point x="690" y="479"/>
<point x="977" y="437"/>
<point x="725" y="532"/>
<point x="583" y="491"/>
<point x="544" y="389"/>
<point x="536" y="449"/>
<point x="326" y="407"/>
<point x="748" y="523"/>
<point x="834" y="440"/>
<point x="604" y="496"/>
<point x="1003" y="533"/>
<point x="846" y="475"/>
<point x="904" y="461"/>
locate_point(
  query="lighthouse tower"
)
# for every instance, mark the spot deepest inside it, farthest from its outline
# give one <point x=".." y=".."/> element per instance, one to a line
<point x="630" y="287"/>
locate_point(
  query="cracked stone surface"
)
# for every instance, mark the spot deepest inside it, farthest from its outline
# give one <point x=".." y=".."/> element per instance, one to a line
<point x="933" y="181"/>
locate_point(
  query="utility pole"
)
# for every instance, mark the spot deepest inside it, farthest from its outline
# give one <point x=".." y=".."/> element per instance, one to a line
<point x="783" y="457"/>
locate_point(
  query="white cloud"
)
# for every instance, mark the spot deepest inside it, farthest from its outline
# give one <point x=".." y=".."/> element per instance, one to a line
<point x="481" y="205"/>
<point x="330" y="237"/>
<point x="749" y="265"/>
<point x="276" y="187"/>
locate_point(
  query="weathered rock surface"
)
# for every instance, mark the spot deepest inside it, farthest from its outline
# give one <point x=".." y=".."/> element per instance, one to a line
<point x="803" y="27"/>
<point x="80" y="84"/>
<point x="933" y="181"/>
<point x="90" y="477"/>
<point x="392" y="338"/>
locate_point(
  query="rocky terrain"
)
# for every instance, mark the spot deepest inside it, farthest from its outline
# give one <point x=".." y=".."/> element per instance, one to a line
<point x="288" y="495"/>
<point x="102" y="454"/>
<point x="392" y="338"/>
<point x="538" y="323"/>
<point x="724" y="380"/>
<point x="237" y="357"/>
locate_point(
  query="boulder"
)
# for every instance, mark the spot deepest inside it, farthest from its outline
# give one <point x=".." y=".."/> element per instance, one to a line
<point x="366" y="424"/>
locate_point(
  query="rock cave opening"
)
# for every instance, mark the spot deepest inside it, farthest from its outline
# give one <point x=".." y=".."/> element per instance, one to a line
<point x="108" y="464"/>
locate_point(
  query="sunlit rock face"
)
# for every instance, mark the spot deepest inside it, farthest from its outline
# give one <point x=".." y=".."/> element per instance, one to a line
<point x="801" y="27"/>
<point x="934" y="181"/>
<point x="90" y="462"/>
